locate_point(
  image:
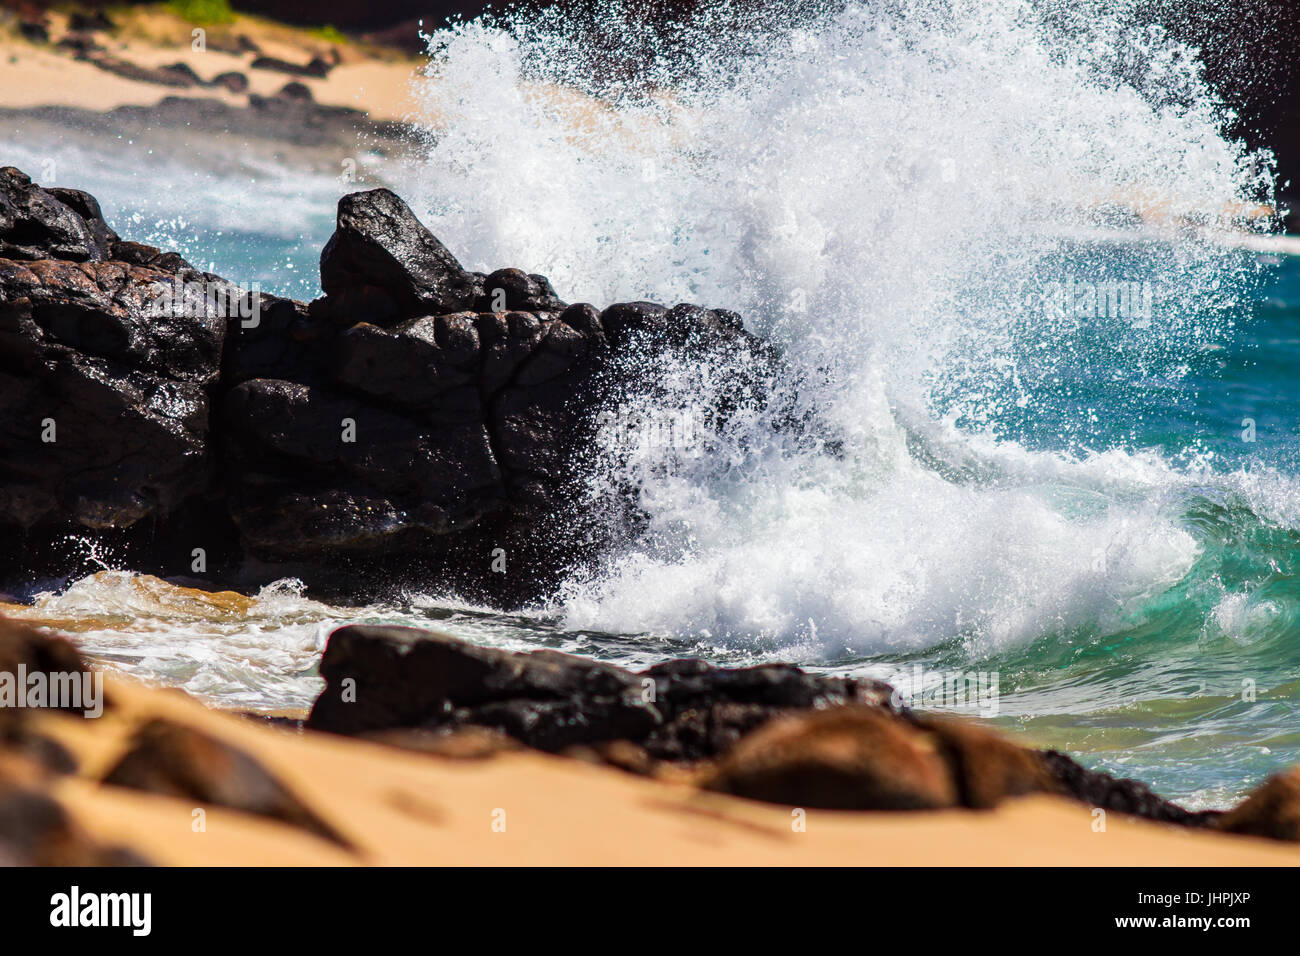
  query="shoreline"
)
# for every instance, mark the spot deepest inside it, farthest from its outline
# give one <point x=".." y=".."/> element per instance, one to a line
<point x="375" y="80"/>
<point x="46" y="83"/>
<point x="396" y="807"/>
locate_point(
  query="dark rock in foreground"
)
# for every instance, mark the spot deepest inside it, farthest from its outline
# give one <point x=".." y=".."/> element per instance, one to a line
<point x="1272" y="810"/>
<point x="177" y="761"/>
<point x="380" y="678"/>
<point x="771" y="732"/>
<point x="36" y="829"/>
<point x="864" y="758"/>
<point x="24" y="649"/>
<point x="841" y="759"/>
<point x="1121" y="795"/>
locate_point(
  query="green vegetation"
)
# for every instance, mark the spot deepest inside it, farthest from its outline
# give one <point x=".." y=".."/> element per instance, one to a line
<point x="329" y="33"/>
<point x="202" y="11"/>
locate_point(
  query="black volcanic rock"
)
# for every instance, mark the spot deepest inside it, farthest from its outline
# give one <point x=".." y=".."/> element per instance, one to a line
<point x="1106" y="792"/>
<point x="380" y="678"/>
<point x="382" y="263"/>
<point x="103" y="402"/>
<point x="388" y="677"/>
<point x="456" y="415"/>
<point x="300" y="487"/>
<point x="38" y="223"/>
<point x="770" y="732"/>
<point x="413" y="364"/>
<point x="508" y="289"/>
<point x="684" y="326"/>
<point x="707" y="709"/>
<point x="388" y="437"/>
<point x="415" y="410"/>
<point x="317" y="67"/>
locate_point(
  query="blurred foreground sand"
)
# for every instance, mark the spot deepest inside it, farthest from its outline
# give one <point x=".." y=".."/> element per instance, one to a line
<point x="401" y="808"/>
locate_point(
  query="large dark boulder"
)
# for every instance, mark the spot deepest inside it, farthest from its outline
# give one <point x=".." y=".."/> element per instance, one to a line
<point x="40" y="223"/>
<point x="381" y="678"/>
<point x="389" y="677"/>
<point x="103" y="399"/>
<point x="382" y="263"/>
<point x="110" y="354"/>
<point x="464" y="422"/>
<point x="515" y="289"/>
<point x="314" y="471"/>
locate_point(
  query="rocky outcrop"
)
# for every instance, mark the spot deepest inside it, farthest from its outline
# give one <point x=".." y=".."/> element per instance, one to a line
<point x="40" y="223"/>
<point x="393" y="412"/>
<point x="104" y="386"/>
<point x="380" y="678"/>
<point x="418" y="406"/>
<point x="416" y="409"/>
<point x="770" y="732"/>
<point x="104" y="400"/>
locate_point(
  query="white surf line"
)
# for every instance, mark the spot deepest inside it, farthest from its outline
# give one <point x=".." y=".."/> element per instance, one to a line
<point x="1288" y="245"/>
<point x="1279" y="245"/>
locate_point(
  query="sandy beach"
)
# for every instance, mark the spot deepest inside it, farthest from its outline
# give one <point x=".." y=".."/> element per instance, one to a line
<point x="377" y="81"/>
<point x="414" y="809"/>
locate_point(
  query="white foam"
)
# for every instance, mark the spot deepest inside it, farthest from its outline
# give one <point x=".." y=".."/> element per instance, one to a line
<point x="870" y="191"/>
<point x="260" y="655"/>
